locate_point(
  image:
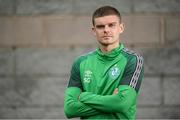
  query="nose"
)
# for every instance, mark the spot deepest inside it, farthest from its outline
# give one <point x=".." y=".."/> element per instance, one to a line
<point x="106" y="29"/>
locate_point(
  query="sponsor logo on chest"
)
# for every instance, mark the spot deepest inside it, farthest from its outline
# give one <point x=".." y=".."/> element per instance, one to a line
<point x="87" y="76"/>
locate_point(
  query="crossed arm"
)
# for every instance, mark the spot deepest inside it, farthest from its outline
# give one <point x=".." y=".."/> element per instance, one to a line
<point x="73" y="107"/>
<point x="81" y="104"/>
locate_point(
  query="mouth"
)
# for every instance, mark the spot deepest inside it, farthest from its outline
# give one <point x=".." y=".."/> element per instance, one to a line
<point x="106" y="36"/>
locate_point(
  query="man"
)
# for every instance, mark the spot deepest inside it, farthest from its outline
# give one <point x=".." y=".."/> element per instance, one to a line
<point x="104" y="84"/>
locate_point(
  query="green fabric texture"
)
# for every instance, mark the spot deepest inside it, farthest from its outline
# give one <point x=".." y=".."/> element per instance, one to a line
<point x="119" y="103"/>
<point x="95" y="76"/>
<point x="73" y="107"/>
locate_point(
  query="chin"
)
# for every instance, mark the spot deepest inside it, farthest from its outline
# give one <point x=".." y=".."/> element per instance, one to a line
<point x="105" y="43"/>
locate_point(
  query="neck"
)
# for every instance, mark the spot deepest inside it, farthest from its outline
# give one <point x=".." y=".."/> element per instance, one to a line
<point x="108" y="48"/>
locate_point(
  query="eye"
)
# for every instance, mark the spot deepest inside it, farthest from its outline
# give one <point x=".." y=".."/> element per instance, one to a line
<point x="100" y="26"/>
<point x="112" y="25"/>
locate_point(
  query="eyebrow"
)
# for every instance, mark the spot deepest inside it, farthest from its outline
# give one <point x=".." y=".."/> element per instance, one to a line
<point x="102" y="25"/>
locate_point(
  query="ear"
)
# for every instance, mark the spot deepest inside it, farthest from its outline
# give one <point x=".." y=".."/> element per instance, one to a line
<point x="94" y="31"/>
<point x="121" y="28"/>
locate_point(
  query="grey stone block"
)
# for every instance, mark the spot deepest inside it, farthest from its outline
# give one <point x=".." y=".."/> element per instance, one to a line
<point x="32" y="97"/>
<point x="150" y="92"/>
<point x="67" y="7"/>
<point x="149" y="113"/>
<point x="6" y="31"/>
<point x="164" y="60"/>
<point x="172" y="28"/>
<point x="171" y="87"/>
<point x="172" y="112"/>
<point x="143" y="51"/>
<point x="29" y="113"/>
<point x="21" y="31"/>
<point x="158" y="112"/>
<point x="87" y="7"/>
<point x="7" y="94"/>
<point x="47" y="61"/>
<point x="7" y="7"/>
<point x="69" y="31"/>
<point x="6" y="61"/>
<point x="161" y="6"/>
<point x="83" y="7"/>
<point x="31" y="7"/>
<point x="42" y="91"/>
<point x="33" y="91"/>
<point x="141" y="29"/>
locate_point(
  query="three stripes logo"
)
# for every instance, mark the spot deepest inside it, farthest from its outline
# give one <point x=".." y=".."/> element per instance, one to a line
<point x="135" y="77"/>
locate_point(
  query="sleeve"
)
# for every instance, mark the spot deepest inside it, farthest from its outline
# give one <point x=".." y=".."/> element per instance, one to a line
<point x="120" y="102"/>
<point x="127" y="95"/>
<point x="75" y="79"/>
<point x="72" y="106"/>
<point x="133" y="73"/>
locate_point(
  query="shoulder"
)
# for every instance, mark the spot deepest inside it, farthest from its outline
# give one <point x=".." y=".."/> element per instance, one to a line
<point x="84" y="57"/>
<point x="132" y="56"/>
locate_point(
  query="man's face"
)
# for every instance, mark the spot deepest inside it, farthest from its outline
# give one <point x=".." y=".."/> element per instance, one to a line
<point x="107" y="29"/>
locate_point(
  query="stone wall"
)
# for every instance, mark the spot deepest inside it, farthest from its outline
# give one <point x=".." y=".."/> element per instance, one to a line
<point x="39" y="39"/>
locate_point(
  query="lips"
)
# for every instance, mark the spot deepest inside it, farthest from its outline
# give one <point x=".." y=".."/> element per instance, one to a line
<point x="106" y="36"/>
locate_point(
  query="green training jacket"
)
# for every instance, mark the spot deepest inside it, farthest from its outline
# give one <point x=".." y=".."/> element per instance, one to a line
<point x="95" y="76"/>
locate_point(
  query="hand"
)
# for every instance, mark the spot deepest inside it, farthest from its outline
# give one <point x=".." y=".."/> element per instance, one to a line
<point x="115" y="91"/>
<point x="79" y="96"/>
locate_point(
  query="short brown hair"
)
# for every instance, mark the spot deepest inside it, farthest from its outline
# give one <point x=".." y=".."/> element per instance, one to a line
<point x="105" y="11"/>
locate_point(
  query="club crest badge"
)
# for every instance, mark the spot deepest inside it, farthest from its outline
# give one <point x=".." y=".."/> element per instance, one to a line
<point x="114" y="72"/>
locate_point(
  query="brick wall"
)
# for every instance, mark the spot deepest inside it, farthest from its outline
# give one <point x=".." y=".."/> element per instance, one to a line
<point x="40" y="39"/>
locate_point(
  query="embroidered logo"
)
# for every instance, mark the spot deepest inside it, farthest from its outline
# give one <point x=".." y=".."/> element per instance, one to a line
<point x="114" y="72"/>
<point x="87" y="76"/>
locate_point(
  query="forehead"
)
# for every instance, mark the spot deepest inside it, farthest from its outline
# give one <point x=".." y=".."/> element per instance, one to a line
<point x="106" y="19"/>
